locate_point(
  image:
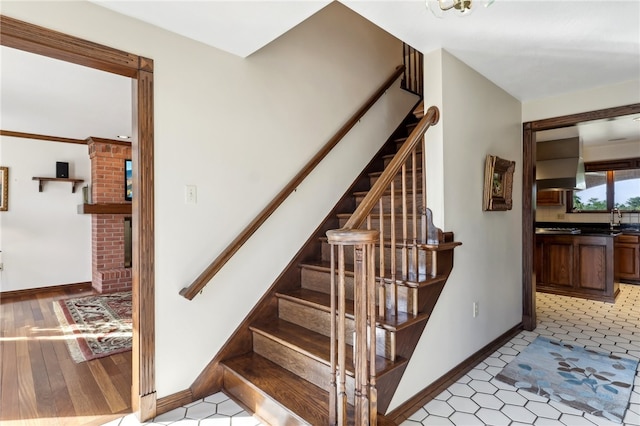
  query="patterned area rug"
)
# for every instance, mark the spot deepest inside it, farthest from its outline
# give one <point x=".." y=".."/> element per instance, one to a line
<point x="598" y="383"/>
<point x="96" y="326"/>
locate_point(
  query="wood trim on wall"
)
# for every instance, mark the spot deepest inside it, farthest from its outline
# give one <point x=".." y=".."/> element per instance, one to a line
<point x="34" y="291"/>
<point x="51" y="138"/>
<point x="529" y="194"/>
<point x="176" y="400"/>
<point x="42" y="137"/>
<point x="31" y="38"/>
<point x="43" y="41"/>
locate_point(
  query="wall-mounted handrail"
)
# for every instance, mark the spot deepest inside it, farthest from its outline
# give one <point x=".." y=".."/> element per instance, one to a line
<point x="201" y="281"/>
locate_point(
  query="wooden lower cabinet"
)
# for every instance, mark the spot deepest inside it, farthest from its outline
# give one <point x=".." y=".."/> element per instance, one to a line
<point x="576" y="265"/>
<point x="627" y="258"/>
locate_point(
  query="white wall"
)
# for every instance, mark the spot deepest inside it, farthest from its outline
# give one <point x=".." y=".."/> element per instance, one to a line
<point x="44" y="241"/>
<point x="478" y="118"/>
<point x="240" y="129"/>
<point x="603" y="152"/>
<point x="586" y="100"/>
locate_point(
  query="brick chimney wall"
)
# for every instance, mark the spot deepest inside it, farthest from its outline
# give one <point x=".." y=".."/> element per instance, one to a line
<point x="107" y="230"/>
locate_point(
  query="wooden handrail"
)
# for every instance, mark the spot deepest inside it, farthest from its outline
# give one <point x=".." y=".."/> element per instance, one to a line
<point x="199" y="283"/>
<point x="371" y="199"/>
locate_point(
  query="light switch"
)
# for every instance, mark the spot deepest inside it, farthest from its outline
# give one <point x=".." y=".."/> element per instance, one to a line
<point x="190" y="194"/>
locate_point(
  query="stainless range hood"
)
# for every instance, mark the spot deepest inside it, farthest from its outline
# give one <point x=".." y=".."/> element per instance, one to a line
<point x="559" y="165"/>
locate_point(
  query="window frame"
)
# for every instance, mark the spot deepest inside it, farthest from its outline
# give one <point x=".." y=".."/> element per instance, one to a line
<point x="608" y="166"/>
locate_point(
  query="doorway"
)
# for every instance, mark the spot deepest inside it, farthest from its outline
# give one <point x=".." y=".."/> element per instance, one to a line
<point x="529" y="195"/>
<point x="30" y="38"/>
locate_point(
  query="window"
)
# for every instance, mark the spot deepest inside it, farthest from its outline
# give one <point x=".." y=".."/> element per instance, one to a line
<point x="594" y="197"/>
<point x="626" y="189"/>
<point x="610" y="184"/>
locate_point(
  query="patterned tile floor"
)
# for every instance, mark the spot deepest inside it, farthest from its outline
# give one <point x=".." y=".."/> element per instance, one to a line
<point x="478" y="398"/>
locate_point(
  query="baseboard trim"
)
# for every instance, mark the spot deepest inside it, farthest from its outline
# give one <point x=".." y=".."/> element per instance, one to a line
<point x="171" y="402"/>
<point x="33" y="291"/>
<point x="405" y="410"/>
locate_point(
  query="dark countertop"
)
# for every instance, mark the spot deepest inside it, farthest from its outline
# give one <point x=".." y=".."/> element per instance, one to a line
<point x="586" y="229"/>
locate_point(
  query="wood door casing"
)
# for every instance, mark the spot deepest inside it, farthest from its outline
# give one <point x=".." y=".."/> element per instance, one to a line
<point x="42" y="41"/>
<point x="529" y="193"/>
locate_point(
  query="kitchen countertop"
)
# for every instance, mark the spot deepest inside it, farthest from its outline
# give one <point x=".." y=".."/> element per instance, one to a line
<point x="586" y="229"/>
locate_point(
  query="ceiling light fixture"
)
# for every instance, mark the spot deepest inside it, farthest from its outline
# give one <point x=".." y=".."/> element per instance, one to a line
<point x="460" y="7"/>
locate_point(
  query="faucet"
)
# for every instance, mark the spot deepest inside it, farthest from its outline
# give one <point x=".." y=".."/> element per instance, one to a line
<point x="612" y="222"/>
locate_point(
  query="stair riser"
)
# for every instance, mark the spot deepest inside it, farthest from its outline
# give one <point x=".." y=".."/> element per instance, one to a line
<point x="320" y="280"/>
<point x="307" y="368"/>
<point x="423" y="258"/>
<point x="373" y="178"/>
<point x="320" y="321"/>
<point x="397" y="207"/>
<point x="401" y="142"/>
<point x="313" y="319"/>
<point x="268" y="410"/>
<point x="387" y="160"/>
<point x="405" y="298"/>
<point x="375" y="224"/>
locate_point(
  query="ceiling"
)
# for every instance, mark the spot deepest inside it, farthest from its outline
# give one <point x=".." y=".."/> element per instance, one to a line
<point x="531" y="49"/>
<point x="47" y="96"/>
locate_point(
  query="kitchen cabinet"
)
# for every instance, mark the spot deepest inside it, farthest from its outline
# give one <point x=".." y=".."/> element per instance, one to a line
<point x="576" y="265"/>
<point x="627" y="258"/>
<point x="550" y="198"/>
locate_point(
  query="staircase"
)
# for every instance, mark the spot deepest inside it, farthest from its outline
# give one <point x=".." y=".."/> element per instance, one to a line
<point x="279" y="366"/>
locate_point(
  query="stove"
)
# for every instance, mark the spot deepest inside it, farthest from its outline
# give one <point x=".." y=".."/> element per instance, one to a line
<point x="558" y="230"/>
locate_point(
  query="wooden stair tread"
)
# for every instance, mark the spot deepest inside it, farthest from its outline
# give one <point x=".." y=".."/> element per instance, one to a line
<point x="387" y="216"/>
<point x="442" y="246"/>
<point x="303" y="398"/>
<point x="314" y="345"/>
<point x="378" y="174"/>
<point x="393" y="321"/>
<point x="412" y="281"/>
<point x="402" y="139"/>
<point x="388" y="192"/>
<point x="390" y="156"/>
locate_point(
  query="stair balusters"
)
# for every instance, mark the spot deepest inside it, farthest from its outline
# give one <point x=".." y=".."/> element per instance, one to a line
<point x="405" y="271"/>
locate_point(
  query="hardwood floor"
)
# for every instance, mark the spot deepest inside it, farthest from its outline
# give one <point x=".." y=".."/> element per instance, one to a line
<point x="40" y="383"/>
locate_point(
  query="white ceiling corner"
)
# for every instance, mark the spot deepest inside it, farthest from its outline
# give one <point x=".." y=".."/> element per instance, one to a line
<point x="237" y="27"/>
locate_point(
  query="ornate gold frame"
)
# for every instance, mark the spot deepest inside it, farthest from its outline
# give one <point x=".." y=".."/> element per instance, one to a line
<point x="498" y="183"/>
<point x="4" y="189"/>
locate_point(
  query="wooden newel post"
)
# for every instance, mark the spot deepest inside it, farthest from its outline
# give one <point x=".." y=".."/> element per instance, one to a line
<point x="364" y="294"/>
